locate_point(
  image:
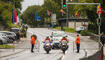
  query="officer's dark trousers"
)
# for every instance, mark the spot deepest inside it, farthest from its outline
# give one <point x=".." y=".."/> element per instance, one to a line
<point x="32" y="47"/>
<point x="78" y="47"/>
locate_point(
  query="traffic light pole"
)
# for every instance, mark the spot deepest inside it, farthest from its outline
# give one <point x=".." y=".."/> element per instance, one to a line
<point x="67" y="21"/>
<point x="100" y="43"/>
<point x="83" y="3"/>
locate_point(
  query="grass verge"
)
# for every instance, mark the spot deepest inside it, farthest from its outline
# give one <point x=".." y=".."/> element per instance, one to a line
<point x="66" y="29"/>
<point x="6" y="46"/>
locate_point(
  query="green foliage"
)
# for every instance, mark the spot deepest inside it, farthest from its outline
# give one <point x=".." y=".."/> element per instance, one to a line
<point x="15" y="3"/>
<point x="66" y="29"/>
<point x="6" y="7"/>
<point x="58" y="28"/>
<point x="69" y="30"/>
<point x="85" y="33"/>
<point x="54" y="6"/>
<point x="93" y="28"/>
<point x="29" y="15"/>
<point x="6" y="46"/>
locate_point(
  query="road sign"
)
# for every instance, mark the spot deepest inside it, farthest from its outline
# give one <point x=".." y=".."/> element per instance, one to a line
<point x="53" y="19"/>
<point x="99" y="10"/>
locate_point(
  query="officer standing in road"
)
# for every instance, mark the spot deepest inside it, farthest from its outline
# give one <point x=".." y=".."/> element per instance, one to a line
<point x="33" y="39"/>
<point x="78" y="43"/>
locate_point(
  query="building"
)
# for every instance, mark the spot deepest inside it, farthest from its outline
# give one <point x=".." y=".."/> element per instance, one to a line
<point x="1" y="27"/>
<point x="73" y="22"/>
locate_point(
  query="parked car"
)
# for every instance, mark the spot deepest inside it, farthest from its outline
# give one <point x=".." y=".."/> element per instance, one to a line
<point x="80" y="28"/>
<point x="56" y="37"/>
<point x="3" y="38"/>
<point x="16" y="31"/>
<point x="10" y="35"/>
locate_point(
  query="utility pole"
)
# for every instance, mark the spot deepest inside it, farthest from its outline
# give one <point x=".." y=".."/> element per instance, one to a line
<point x="67" y="21"/>
<point x="100" y="43"/>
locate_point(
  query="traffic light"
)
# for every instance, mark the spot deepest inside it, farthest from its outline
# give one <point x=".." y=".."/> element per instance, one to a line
<point x="99" y="22"/>
<point x="64" y="3"/>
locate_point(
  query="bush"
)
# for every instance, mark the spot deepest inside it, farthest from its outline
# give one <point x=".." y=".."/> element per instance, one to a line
<point x="58" y="28"/>
<point x="85" y="33"/>
<point x="6" y="46"/>
<point x="66" y="29"/>
<point x="69" y="30"/>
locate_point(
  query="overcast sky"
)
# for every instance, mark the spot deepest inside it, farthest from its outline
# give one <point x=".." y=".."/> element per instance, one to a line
<point x="27" y="3"/>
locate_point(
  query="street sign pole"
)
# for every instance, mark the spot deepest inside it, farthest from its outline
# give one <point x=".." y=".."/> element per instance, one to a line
<point x="100" y="43"/>
<point x="67" y="21"/>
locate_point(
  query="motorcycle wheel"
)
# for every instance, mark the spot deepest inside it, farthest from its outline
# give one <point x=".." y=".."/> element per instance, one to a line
<point x="47" y="52"/>
<point x="1" y="43"/>
<point x="63" y="52"/>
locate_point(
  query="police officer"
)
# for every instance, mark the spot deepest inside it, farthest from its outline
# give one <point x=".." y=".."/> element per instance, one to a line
<point x="78" y="43"/>
<point x="33" y="39"/>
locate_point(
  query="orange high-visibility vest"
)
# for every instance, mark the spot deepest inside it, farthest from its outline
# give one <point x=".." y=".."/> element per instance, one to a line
<point x="64" y="39"/>
<point x="33" y="40"/>
<point x="47" y="39"/>
<point x="77" y="40"/>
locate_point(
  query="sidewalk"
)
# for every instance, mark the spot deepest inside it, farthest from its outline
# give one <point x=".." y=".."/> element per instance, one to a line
<point x="88" y="47"/>
<point x="9" y="52"/>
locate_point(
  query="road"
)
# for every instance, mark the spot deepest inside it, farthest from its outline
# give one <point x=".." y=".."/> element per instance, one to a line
<point x="40" y="54"/>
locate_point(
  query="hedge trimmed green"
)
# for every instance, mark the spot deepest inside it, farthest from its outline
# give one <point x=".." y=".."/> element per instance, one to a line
<point x="69" y="29"/>
<point x="66" y="29"/>
<point x="85" y="33"/>
<point x="6" y="46"/>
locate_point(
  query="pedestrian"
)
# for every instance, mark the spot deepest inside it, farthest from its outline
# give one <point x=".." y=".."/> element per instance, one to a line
<point x="33" y="39"/>
<point x="78" y="43"/>
<point x="18" y="35"/>
<point x="102" y="38"/>
<point x="102" y="41"/>
<point x="62" y="28"/>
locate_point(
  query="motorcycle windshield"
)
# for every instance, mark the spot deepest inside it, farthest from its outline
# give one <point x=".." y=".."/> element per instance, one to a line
<point x="47" y="41"/>
<point x="64" y="42"/>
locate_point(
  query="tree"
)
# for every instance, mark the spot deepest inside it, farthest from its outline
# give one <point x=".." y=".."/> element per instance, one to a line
<point x="29" y="15"/>
<point x="49" y="5"/>
<point x="6" y="7"/>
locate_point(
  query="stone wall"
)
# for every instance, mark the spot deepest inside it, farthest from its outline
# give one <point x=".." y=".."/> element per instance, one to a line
<point x="1" y="27"/>
<point x="76" y="24"/>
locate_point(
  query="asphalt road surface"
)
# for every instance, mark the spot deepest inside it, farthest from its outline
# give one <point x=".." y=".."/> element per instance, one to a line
<point x="40" y="54"/>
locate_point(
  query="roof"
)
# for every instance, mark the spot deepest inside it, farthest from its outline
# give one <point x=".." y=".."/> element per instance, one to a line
<point x="73" y="19"/>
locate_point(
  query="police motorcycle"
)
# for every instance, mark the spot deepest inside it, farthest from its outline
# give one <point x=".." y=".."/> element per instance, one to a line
<point x="64" y="46"/>
<point x="47" y="46"/>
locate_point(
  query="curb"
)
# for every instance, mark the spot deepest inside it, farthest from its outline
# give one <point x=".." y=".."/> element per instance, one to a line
<point x="12" y="54"/>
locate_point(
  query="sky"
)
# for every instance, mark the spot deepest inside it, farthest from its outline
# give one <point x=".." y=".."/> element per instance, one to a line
<point x="27" y="3"/>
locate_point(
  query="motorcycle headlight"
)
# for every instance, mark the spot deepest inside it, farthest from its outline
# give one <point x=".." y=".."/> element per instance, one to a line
<point x="47" y="44"/>
<point x="63" y="44"/>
